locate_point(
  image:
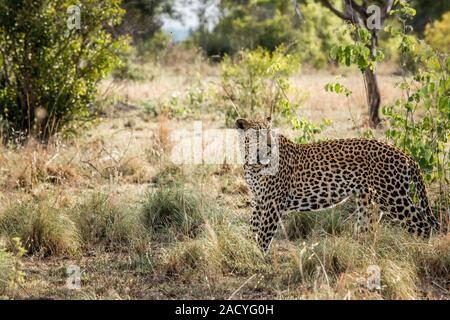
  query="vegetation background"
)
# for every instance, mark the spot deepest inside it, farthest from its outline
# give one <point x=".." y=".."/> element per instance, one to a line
<point x="89" y="95"/>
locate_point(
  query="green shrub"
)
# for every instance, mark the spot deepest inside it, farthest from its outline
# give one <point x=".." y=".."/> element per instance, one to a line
<point x="149" y="109"/>
<point x="357" y="53"/>
<point x="306" y="130"/>
<point x="437" y="33"/>
<point x="257" y="82"/>
<point x="390" y="44"/>
<point x="175" y="106"/>
<point x="155" y="47"/>
<point x="131" y="70"/>
<point x="314" y="43"/>
<point x="419" y="122"/>
<point x="48" y="71"/>
<point x="249" y="25"/>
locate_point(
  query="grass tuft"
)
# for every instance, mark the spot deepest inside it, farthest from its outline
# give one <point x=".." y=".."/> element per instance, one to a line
<point x="42" y="228"/>
<point x="103" y="221"/>
<point x="173" y="211"/>
<point x="187" y="261"/>
<point x="222" y="250"/>
<point x="303" y="224"/>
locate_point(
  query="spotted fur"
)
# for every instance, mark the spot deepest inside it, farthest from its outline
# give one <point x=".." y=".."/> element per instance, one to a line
<point x="321" y="175"/>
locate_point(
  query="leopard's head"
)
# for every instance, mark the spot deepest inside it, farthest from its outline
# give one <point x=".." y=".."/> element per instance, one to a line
<point x="255" y="138"/>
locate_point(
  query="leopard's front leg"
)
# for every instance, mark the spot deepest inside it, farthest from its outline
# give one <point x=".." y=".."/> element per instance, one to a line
<point x="269" y="215"/>
<point x="255" y="219"/>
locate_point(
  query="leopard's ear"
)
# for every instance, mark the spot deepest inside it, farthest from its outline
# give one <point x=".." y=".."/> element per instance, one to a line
<point x="269" y="137"/>
<point x="242" y="124"/>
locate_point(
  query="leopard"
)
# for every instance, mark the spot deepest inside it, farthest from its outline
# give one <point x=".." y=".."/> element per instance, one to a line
<point x="320" y="175"/>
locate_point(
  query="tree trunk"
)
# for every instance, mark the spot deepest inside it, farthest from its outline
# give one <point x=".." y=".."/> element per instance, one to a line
<point x="358" y="16"/>
<point x="373" y="97"/>
<point x="370" y="78"/>
<point x="372" y="91"/>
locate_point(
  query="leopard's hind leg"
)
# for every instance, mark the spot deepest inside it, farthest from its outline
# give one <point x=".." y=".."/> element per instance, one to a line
<point x="366" y="218"/>
<point x="407" y="214"/>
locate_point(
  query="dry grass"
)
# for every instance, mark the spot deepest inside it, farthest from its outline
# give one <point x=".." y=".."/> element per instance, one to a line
<point x="102" y="220"/>
<point x="42" y="227"/>
<point x="10" y="273"/>
<point x="32" y="164"/>
<point x="140" y="227"/>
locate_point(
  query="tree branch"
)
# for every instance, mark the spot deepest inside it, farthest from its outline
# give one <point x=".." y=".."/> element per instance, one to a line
<point x="387" y="9"/>
<point x="362" y="10"/>
<point x="338" y="13"/>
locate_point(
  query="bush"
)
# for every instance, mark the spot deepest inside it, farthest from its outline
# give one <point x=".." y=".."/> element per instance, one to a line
<point x="418" y="123"/>
<point x="236" y="252"/>
<point x="257" y="82"/>
<point x="42" y="228"/>
<point x="49" y="68"/>
<point x="313" y="42"/>
<point x="249" y="25"/>
<point x="437" y="34"/>
<point x="180" y="106"/>
<point x="155" y="47"/>
<point x="142" y="19"/>
<point x="390" y="44"/>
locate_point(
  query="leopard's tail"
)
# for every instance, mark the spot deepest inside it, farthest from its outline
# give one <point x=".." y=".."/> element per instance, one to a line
<point x="421" y="193"/>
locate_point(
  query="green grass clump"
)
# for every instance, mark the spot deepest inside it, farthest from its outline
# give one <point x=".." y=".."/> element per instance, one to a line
<point x="42" y="228"/>
<point x="105" y="221"/>
<point x="173" y="211"/>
